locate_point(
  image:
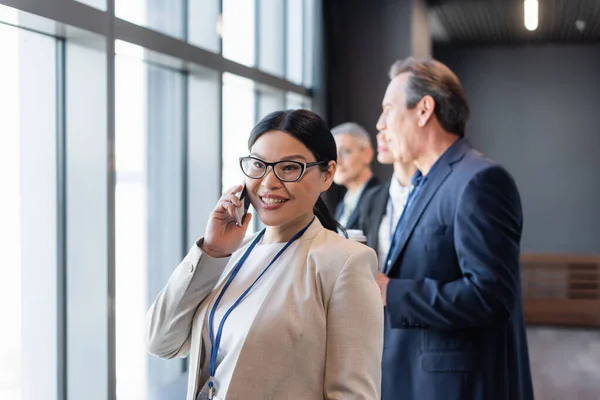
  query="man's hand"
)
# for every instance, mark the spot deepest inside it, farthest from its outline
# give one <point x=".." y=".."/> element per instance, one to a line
<point x="382" y="282"/>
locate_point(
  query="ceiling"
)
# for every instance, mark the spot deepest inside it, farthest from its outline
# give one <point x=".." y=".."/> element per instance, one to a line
<point x="501" y="21"/>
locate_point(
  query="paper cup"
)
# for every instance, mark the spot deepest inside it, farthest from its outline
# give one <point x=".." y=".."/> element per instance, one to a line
<point x="356" y="235"/>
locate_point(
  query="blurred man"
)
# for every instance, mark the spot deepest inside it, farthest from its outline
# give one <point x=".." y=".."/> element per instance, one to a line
<point x="355" y="154"/>
<point x="383" y="204"/>
<point x="454" y="326"/>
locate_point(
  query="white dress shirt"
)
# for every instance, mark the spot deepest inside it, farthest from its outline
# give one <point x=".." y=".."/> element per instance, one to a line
<point x="241" y="318"/>
<point x="398" y="195"/>
<point x="351" y="199"/>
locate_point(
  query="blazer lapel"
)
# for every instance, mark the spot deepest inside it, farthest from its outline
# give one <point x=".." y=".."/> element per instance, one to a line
<point x="243" y="382"/>
<point x="434" y="179"/>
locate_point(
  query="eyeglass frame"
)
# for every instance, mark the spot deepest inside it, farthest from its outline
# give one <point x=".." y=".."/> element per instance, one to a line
<point x="303" y="165"/>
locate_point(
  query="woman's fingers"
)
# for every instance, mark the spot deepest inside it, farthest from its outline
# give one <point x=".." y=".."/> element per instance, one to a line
<point x="233" y="190"/>
<point x="228" y="200"/>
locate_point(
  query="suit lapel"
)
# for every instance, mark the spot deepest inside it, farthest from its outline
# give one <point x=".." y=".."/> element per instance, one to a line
<point x="379" y="209"/>
<point x="356" y="213"/>
<point x="339" y="209"/>
<point x="436" y="177"/>
<point x="430" y="186"/>
<point x="353" y="217"/>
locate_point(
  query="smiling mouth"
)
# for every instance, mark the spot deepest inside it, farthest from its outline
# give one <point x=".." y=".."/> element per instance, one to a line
<point x="269" y="200"/>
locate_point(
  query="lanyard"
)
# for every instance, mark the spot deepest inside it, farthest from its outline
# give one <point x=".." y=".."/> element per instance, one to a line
<point x="417" y="181"/>
<point x="216" y="341"/>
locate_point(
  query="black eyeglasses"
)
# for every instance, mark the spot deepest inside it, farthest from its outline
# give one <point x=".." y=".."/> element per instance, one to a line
<point x="285" y="170"/>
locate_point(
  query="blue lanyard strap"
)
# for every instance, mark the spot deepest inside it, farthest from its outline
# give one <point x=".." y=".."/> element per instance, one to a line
<point x="417" y="182"/>
<point x="215" y="342"/>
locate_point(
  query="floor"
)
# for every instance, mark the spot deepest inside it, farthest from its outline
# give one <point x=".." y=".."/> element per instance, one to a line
<point x="565" y="363"/>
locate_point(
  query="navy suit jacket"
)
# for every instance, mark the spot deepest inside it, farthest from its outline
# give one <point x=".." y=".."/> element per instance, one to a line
<point x="353" y="221"/>
<point x="454" y="326"/>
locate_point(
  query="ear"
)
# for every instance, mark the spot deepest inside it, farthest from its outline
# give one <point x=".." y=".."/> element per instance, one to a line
<point x="368" y="155"/>
<point x="328" y="176"/>
<point x="425" y="109"/>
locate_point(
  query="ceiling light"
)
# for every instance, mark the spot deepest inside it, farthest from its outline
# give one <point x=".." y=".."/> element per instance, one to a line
<point x="531" y="14"/>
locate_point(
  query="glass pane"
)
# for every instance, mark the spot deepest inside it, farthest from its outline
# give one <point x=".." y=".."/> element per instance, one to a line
<point x="87" y="223"/>
<point x="269" y="101"/>
<point x="239" y="116"/>
<point x="238" y="31"/>
<point x="99" y="4"/>
<point x="149" y="218"/>
<point x="296" y="101"/>
<point x="271" y="35"/>
<point x="295" y="50"/>
<point x="163" y="16"/>
<point x="204" y="150"/>
<point x="28" y="211"/>
<point x="309" y="39"/>
<point x="204" y="24"/>
<point x="238" y="120"/>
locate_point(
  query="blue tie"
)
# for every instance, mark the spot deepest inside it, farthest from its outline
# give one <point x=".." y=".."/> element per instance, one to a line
<point x="417" y="181"/>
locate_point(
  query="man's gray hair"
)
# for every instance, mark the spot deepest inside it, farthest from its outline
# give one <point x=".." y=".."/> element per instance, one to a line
<point x="355" y="130"/>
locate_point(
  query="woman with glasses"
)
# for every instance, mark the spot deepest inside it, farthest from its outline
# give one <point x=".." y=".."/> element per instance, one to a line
<point x="292" y="312"/>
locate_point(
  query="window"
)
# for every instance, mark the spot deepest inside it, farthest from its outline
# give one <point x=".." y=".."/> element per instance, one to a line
<point x="296" y="101"/>
<point x="99" y="4"/>
<point x="149" y="213"/>
<point x="204" y="150"/>
<point x="28" y="211"/>
<point x="310" y="36"/>
<point x="163" y="16"/>
<point x="269" y="100"/>
<point x="87" y="229"/>
<point x="295" y="40"/>
<point x="271" y="36"/>
<point x="238" y="31"/>
<point x="111" y="165"/>
<point x="205" y="24"/>
<point x="238" y="120"/>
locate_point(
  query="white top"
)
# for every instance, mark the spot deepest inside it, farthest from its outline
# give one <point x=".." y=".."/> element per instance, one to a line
<point x="351" y="199"/>
<point x="240" y="320"/>
<point x="398" y="196"/>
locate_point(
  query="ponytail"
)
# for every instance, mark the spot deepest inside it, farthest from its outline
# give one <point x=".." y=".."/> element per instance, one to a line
<point x="327" y="219"/>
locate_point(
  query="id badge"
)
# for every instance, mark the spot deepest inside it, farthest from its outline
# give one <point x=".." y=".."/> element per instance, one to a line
<point x="207" y="396"/>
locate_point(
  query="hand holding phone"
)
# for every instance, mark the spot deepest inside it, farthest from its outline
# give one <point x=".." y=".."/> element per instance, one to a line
<point x="228" y="223"/>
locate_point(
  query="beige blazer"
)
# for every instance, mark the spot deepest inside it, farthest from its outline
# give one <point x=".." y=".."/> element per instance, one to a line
<point x="317" y="335"/>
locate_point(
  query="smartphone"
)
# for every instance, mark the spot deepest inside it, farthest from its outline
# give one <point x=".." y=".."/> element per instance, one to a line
<point x="241" y="211"/>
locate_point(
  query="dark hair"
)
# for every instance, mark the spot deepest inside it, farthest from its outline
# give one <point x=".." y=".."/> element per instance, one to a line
<point x="432" y="78"/>
<point x="312" y="131"/>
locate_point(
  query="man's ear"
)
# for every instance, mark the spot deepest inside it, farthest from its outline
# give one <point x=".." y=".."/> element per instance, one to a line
<point x="425" y="109"/>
